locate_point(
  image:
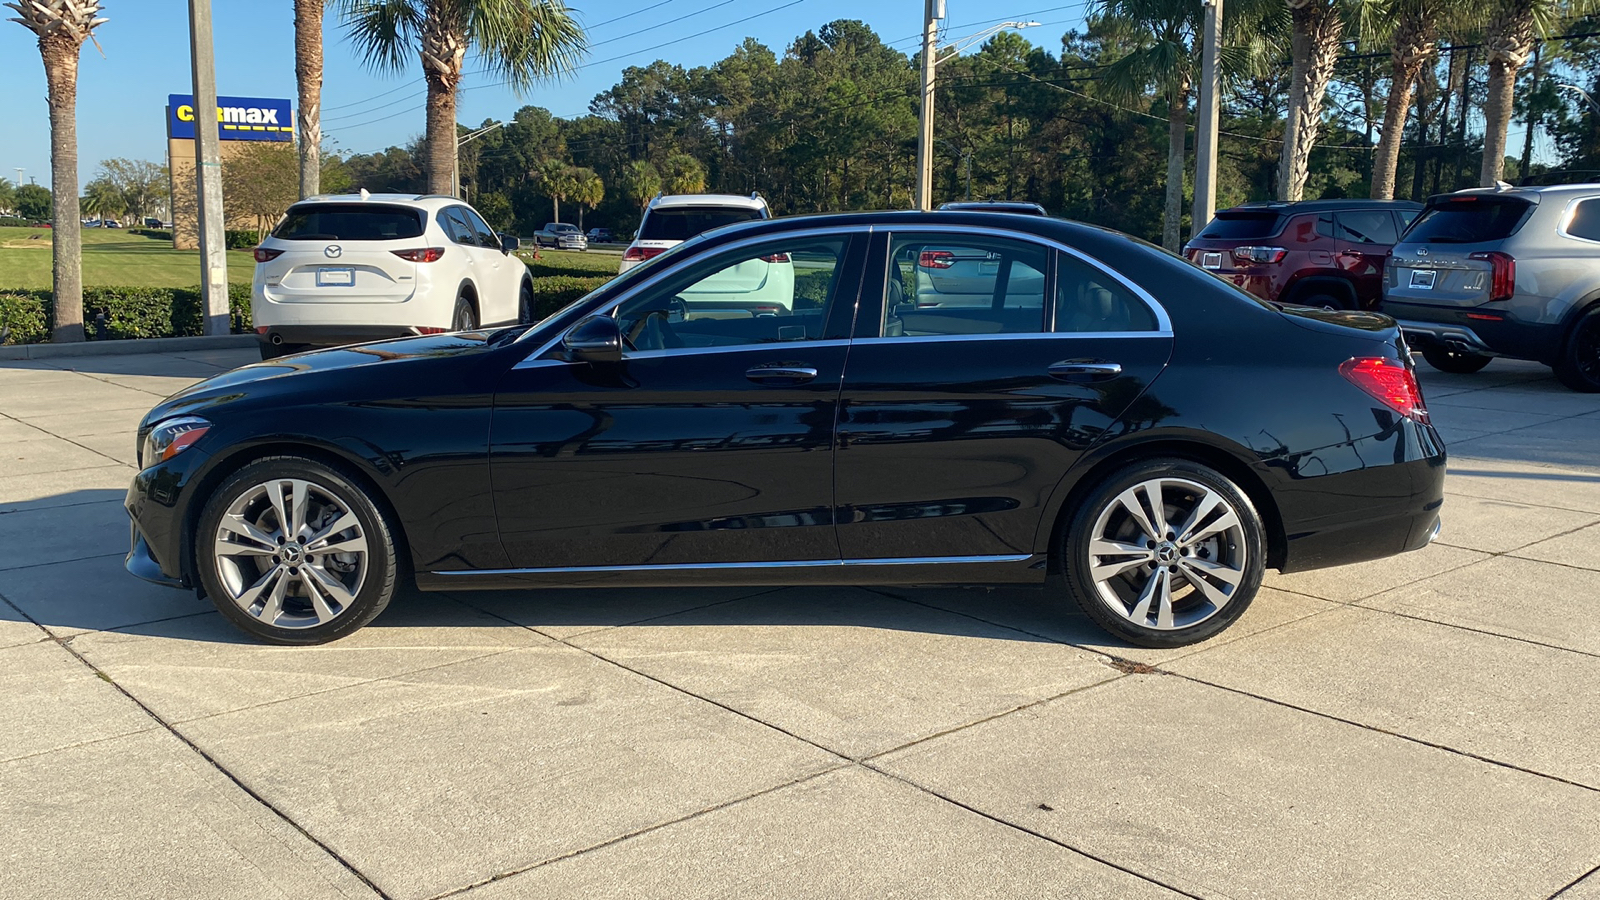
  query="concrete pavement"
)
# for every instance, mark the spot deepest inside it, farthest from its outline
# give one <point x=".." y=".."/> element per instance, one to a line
<point x="1417" y="727"/>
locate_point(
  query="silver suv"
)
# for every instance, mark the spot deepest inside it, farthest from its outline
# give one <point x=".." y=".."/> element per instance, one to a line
<point x="1503" y="272"/>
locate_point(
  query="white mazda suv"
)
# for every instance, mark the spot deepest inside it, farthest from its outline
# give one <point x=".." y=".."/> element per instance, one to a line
<point x="360" y="267"/>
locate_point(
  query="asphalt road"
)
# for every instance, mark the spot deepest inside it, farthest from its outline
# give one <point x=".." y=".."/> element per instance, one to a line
<point x="1423" y="726"/>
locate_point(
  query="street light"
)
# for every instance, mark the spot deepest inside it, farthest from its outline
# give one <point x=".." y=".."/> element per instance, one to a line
<point x="930" y="59"/>
<point x="1582" y="93"/>
<point x="469" y="137"/>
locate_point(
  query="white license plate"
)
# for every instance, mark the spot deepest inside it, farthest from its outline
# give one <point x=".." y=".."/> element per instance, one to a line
<point x="336" y="277"/>
<point x="1422" y="279"/>
<point x="1211" y="260"/>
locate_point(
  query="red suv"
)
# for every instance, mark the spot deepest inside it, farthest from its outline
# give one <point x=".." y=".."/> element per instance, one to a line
<point x="1312" y="253"/>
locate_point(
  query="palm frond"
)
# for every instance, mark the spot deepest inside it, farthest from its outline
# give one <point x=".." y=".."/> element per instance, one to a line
<point x="384" y="32"/>
<point x="526" y="41"/>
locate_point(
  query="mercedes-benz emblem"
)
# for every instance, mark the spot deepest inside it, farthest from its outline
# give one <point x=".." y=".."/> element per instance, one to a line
<point x="332" y="251"/>
<point x="1422" y="251"/>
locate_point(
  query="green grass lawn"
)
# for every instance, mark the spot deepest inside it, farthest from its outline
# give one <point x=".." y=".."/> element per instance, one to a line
<point x="111" y="257"/>
<point x="569" y="262"/>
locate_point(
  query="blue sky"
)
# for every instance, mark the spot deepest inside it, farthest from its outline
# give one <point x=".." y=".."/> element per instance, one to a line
<point x="122" y="95"/>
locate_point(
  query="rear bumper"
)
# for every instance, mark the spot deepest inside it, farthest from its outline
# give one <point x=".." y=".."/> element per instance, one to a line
<point x="330" y="335"/>
<point x="1452" y="328"/>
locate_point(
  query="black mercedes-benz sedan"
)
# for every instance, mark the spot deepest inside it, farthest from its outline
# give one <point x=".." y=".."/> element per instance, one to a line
<point x="871" y="398"/>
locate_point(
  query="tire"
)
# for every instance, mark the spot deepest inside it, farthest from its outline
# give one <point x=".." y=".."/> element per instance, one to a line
<point x="1579" y="365"/>
<point x="1455" y="362"/>
<point x="464" y="317"/>
<point x="270" y="352"/>
<point x="258" y="586"/>
<point x="1317" y="299"/>
<point x="1196" y="586"/>
<point x="525" y="304"/>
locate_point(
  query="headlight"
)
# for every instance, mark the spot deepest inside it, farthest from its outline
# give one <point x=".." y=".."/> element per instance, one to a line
<point x="171" y="437"/>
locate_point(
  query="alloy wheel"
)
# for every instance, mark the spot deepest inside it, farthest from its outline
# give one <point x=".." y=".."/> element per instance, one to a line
<point x="290" y="553"/>
<point x="1167" y="554"/>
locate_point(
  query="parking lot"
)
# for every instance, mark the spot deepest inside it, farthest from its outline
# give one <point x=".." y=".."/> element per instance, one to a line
<point x="1423" y="726"/>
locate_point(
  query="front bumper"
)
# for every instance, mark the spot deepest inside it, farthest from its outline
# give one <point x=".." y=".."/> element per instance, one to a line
<point x="158" y="502"/>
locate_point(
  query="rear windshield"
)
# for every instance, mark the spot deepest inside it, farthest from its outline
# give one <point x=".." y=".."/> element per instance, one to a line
<point x="1467" y="220"/>
<point x="1243" y="225"/>
<point x="679" y="223"/>
<point x="349" y="222"/>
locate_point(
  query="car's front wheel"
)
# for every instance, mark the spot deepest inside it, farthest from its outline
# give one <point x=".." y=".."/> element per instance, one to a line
<point x="1455" y="362"/>
<point x="1579" y="365"/>
<point x="295" y="552"/>
<point x="1164" y="553"/>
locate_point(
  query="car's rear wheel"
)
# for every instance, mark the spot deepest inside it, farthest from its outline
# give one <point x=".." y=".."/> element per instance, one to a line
<point x="1164" y="553"/>
<point x="1579" y="366"/>
<point x="1455" y="362"/>
<point x="465" y="318"/>
<point x="295" y="552"/>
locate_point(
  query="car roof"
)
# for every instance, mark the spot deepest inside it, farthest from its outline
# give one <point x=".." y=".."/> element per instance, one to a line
<point x="1532" y="192"/>
<point x="1021" y="206"/>
<point x="753" y="201"/>
<point x="1292" y="207"/>
<point x="424" y="201"/>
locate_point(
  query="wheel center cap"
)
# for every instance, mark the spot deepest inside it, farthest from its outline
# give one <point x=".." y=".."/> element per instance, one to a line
<point x="292" y="553"/>
<point x="1166" y="553"/>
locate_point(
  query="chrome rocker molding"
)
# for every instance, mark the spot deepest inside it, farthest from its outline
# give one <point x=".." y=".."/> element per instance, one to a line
<point x="1021" y="567"/>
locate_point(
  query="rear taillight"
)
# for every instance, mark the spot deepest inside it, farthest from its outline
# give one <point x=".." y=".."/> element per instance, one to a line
<point x="1389" y="381"/>
<point x="426" y="330"/>
<point x="421" y="254"/>
<point x="776" y="258"/>
<point x="936" y="259"/>
<point x="640" y="254"/>
<point x="1260" y="254"/>
<point x="265" y="255"/>
<point x="1502" y="275"/>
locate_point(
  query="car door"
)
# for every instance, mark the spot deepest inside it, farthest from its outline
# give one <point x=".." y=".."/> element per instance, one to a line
<point x="453" y="220"/>
<point x="1362" y="241"/>
<point x="956" y="425"/>
<point x="498" y="293"/>
<point x="710" y="443"/>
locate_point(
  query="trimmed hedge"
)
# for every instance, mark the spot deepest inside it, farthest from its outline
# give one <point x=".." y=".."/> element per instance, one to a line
<point x="552" y="293"/>
<point x="241" y="238"/>
<point x="130" y="312"/>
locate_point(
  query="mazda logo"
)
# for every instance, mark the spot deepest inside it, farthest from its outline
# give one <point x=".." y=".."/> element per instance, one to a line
<point x="1422" y="251"/>
<point x="332" y="251"/>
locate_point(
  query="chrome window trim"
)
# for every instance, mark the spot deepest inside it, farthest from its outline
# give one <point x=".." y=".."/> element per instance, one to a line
<point x="734" y="566"/>
<point x="730" y="348"/>
<point x="1013" y="336"/>
<point x="1567" y="216"/>
<point x="1163" y="323"/>
<point x="533" y="358"/>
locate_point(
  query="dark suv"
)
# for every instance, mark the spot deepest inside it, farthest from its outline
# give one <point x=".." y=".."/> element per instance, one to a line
<point x="1312" y="253"/>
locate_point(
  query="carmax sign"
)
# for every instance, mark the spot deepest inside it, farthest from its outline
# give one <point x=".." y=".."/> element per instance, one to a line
<point x="238" y="118"/>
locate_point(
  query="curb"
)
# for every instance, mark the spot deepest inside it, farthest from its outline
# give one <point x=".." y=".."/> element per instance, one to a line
<point x="126" y="347"/>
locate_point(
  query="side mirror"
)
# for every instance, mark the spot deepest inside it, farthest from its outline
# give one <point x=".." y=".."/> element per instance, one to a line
<point x="597" y="339"/>
<point x="508" y="243"/>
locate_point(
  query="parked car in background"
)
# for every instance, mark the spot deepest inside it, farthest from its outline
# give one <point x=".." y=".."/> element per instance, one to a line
<point x="599" y="235"/>
<point x="561" y="236"/>
<point x="1021" y="207"/>
<point x="1313" y="253"/>
<point x="646" y="437"/>
<point x="342" y="269"/>
<point x="670" y="220"/>
<point x="1503" y="272"/>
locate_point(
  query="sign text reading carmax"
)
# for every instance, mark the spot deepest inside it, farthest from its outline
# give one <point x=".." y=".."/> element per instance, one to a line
<point x="243" y="115"/>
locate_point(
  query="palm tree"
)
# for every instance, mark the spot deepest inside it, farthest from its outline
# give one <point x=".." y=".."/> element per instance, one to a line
<point x="555" y="178"/>
<point x="62" y="27"/>
<point x="522" y="41"/>
<point x="101" y="199"/>
<point x="641" y="181"/>
<point x="1509" y="35"/>
<point x="1415" y="37"/>
<point x="685" y="174"/>
<point x="588" y="191"/>
<point x="308" y="78"/>
<point x="1317" y="29"/>
<point x="1164" y="54"/>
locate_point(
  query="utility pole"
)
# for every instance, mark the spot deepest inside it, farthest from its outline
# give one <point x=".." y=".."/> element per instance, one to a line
<point x="1533" y="119"/>
<point x="933" y="11"/>
<point x="20" y="170"/>
<point x="1209" y="102"/>
<point x="208" y="171"/>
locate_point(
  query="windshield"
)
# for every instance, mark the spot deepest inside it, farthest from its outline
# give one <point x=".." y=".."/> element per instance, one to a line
<point x="679" y="223"/>
<point x="349" y="222"/>
<point x="1467" y="220"/>
<point x="1233" y="225"/>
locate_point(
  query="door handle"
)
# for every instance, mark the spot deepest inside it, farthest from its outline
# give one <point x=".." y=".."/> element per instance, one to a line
<point x="1085" y="370"/>
<point x="783" y="374"/>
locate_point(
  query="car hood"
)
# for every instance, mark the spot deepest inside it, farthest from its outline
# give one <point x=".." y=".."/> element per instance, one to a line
<point x="311" y="371"/>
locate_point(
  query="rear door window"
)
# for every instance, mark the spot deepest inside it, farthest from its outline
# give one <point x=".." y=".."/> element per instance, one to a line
<point x="679" y="223"/>
<point x="947" y="284"/>
<point x="1365" y="226"/>
<point x="349" y="222"/>
<point x="1243" y="226"/>
<point x="1468" y="220"/>
<point x="1090" y="301"/>
<point x="1585" y="221"/>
